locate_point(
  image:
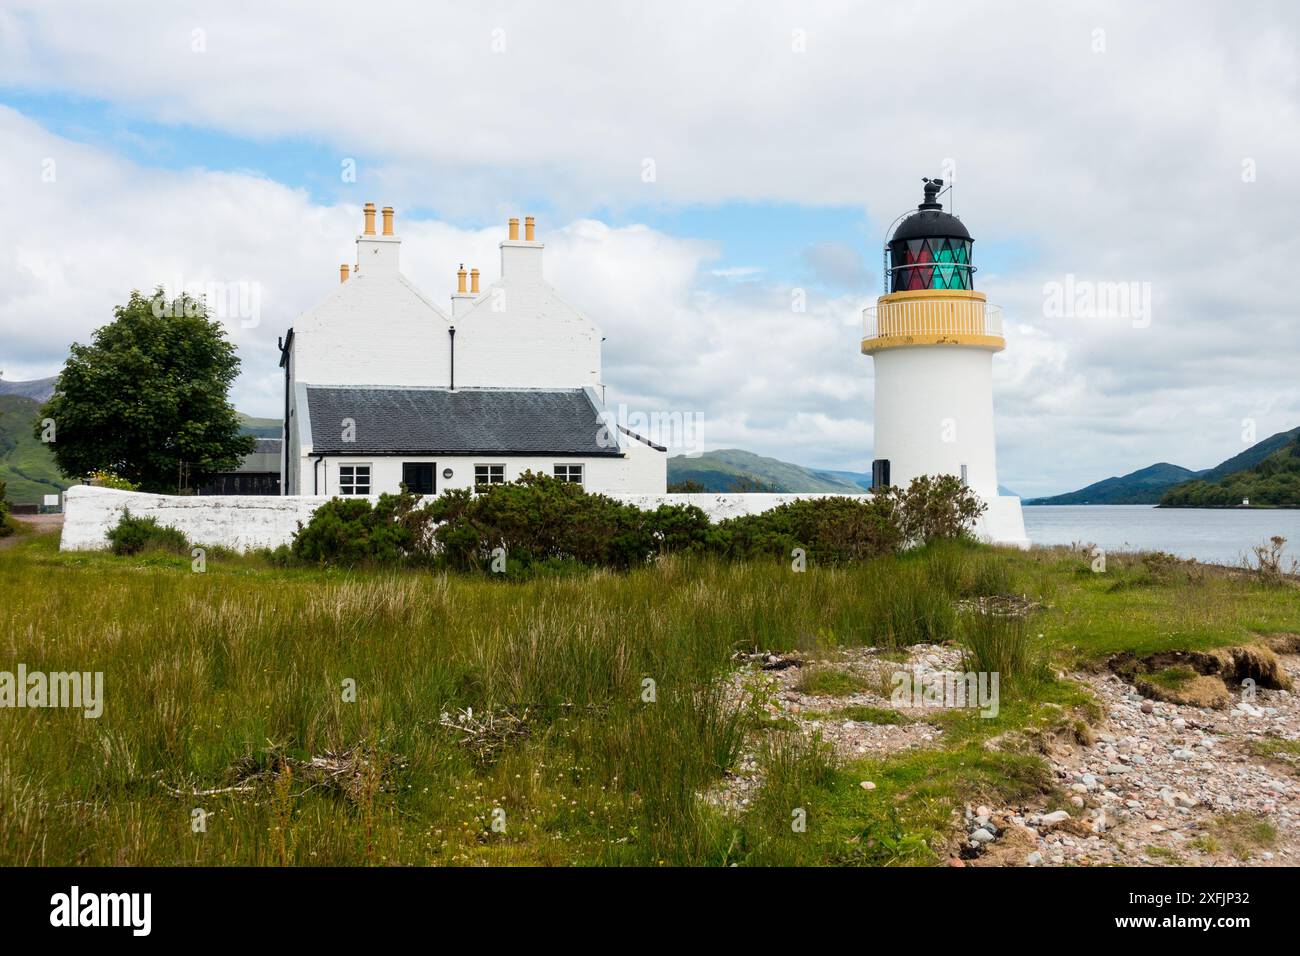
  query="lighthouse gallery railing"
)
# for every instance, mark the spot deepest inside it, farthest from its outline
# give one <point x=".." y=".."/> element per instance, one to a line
<point x="930" y="317"/>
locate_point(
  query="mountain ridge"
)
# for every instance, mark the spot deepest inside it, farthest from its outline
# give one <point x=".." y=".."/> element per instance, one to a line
<point x="1147" y="485"/>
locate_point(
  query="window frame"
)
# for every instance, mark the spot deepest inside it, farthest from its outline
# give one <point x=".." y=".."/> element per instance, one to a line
<point x="433" y="476"/>
<point x="352" y="479"/>
<point x="569" y="468"/>
<point x="492" y="480"/>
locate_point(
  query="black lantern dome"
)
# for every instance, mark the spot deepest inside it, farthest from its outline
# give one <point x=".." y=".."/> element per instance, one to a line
<point x="930" y="249"/>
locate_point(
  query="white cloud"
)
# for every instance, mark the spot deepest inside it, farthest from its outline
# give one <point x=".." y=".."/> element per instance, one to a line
<point x="1117" y="165"/>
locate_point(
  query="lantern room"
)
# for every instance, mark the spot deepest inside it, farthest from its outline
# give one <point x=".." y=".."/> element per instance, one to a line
<point x="930" y="249"/>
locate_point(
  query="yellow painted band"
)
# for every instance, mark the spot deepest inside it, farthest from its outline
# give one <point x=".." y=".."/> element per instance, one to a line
<point x="994" y="343"/>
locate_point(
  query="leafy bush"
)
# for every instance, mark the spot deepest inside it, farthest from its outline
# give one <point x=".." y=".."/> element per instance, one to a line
<point x="832" y="530"/>
<point x="937" y="508"/>
<point x="539" y="519"/>
<point x="351" y="531"/>
<point x="6" y="523"/>
<point x="134" y="535"/>
<point x="541" y="522"/>
<point x="107" y="479"/>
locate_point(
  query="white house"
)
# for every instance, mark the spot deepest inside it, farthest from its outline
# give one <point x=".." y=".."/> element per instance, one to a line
<point x="383" y="388"/>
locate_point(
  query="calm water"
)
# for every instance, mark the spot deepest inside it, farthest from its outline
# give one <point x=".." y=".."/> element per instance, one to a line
<point x="1214" y="535"/>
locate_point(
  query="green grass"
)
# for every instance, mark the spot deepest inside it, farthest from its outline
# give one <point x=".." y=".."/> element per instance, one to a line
<point x="820" y="681"/>
<point x="1240" y="834"/>
<point x="231" y="681"/>
<point x="1171" y="678"/>
<point x="1275" y="747"/>
<point x="869" y="715"/>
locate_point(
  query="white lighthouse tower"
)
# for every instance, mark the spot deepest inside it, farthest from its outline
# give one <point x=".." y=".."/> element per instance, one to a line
<point x="933" y="337"/>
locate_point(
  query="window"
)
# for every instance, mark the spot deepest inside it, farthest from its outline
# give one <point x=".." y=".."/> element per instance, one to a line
<point x="489" y="475"/>
<point x="569" y="473"/>
<point x="418" y="477"/>
<point x="354" y="479"/>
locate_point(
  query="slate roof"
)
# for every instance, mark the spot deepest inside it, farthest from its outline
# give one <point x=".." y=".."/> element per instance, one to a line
<point x="439" y="421"/>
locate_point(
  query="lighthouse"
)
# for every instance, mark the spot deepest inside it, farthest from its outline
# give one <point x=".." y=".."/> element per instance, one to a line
<point x="932" y="338"/>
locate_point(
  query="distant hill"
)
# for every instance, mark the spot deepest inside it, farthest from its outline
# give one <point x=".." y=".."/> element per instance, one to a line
<point x="1142" y="487"/>
<point x="1146" y="485"/>
<point x="1252" y="456"/>
<point x="261" y="427"/>
<point x="1272" y="483"/>
<point x="26" y="464"/>
<point x="37" y="389"/>
<point x="732" y="469"/>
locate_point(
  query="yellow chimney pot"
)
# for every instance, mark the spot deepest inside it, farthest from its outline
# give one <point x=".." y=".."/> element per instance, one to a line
<point x="473" y="281"/>
<point x="514" y="229"/>
<point x="343" y="272"/>
<point x="370" y="219"/>
<point x="460" y="280"/>
<point x="388" y="220"/>
<point x="528" y="229"/>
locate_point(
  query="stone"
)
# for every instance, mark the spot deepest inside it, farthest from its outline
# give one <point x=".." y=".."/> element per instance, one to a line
<point x="867" y="785"/>
<point x="1055" y="818"/>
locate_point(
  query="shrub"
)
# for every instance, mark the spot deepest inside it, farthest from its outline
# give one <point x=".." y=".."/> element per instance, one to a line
<point x="351" y="531"/>
<point x="6" y="523"/>
<point x="134" y="535"/>
<point x="539" y="519"/>
<point x="1269" y="564"/>
<point x="832" y="530"/>
<point x="107" y="479"/>
<point x="937" y="508"/>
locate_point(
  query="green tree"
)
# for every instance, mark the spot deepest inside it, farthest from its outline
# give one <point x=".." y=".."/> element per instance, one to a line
<point x="149" y="394"/>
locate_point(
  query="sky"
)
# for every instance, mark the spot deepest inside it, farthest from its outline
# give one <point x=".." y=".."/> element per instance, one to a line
<point x="714" y="183"/>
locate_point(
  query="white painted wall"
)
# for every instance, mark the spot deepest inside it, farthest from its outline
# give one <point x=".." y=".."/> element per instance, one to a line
<point x="521" y="334"/>
<point x="375" y="329"/>
<point x="639" y="472"/>
<point x="934" y="413"/>
<point x="249" y="522"/>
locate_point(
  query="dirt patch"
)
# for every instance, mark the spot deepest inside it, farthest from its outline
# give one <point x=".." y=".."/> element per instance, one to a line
<point x="1202" y="678"/>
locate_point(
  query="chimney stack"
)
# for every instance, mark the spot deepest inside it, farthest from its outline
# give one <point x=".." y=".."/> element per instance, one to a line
<point x="521" y="259"/>
<point x="388" y="220"/>
<point x="473" y="281"/>
<point x="460" y="280"/>
<point x="343" y="273"/>
<point x="370" y="219"/>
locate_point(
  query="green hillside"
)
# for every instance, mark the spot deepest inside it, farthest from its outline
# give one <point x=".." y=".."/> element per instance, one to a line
<point x="731" y="469"/>
<point x="1272" y="483"/>
<point x="1146" y="486"/>
<point x="261" y="427"/>
<point x="1142" y="487"/>
<point x="1252" y="456"/>
<point x="26" y="464"/>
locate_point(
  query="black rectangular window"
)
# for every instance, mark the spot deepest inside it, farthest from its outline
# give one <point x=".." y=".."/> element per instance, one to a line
<point x="880" y="473"/>
<point x="418" y="477"/>
<point x="354" y="479"/>
<point x="489" y="474"/>
<point x="569" y="473"/>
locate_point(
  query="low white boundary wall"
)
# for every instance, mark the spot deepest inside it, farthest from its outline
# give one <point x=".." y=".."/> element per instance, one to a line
<point x="246" y="522"/>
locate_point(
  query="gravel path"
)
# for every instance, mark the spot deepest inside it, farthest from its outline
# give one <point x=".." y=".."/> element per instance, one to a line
<point x="1160" y="784"/>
